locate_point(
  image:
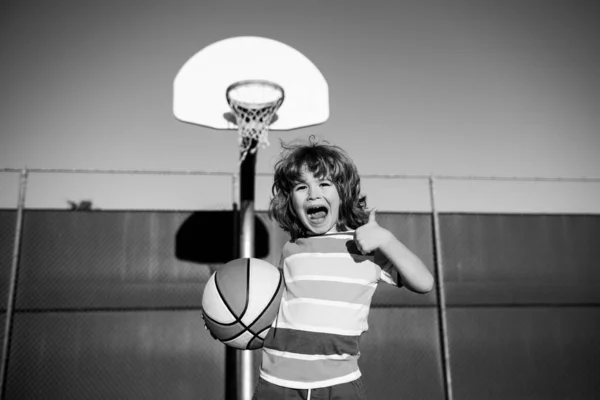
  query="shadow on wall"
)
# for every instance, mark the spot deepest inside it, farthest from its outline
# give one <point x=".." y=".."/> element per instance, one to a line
<point x="212" y="237"/>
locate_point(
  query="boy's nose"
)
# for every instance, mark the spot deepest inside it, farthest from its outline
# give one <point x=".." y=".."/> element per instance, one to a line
<point x="313" y="193"/>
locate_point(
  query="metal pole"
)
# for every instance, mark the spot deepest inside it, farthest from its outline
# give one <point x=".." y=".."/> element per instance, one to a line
<point x="439" y="279"/>
<point x="239" y="363"/>
<point x="12" y="284"/>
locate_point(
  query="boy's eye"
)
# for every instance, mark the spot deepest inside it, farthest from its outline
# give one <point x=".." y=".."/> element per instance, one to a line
<point x="300" y="187"/>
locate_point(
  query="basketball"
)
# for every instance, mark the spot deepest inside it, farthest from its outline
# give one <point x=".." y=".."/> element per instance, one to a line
<point x="240" y="302"/>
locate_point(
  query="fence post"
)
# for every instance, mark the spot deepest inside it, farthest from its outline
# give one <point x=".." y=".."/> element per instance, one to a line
<point x="441" y="296"/>
<point x="13" y="282"/>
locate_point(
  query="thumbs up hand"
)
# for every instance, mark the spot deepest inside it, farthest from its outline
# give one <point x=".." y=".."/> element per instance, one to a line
<point x="413" y="274"/>
<point x="371" y="235"/>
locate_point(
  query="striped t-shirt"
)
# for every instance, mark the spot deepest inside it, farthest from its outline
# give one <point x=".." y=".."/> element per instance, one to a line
<point x="314" y="341"/>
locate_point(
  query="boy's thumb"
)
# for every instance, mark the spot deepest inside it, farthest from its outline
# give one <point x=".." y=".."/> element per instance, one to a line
<point x="372" y="215"/>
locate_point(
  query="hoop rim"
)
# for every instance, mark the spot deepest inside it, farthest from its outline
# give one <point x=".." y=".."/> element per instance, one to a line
<point x="265" y="82"/>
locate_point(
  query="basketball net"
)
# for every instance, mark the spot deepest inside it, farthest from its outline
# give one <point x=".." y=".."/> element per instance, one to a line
<point x="254" y="104"/>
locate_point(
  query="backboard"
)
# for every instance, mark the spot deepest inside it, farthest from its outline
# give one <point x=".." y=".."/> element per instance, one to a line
<point x="199" y="92"/>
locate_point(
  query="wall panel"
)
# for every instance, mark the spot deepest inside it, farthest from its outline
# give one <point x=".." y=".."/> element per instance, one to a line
<point x="114" y="355"/>
<point x="525" y="353"/>
<point x="521" y="259"/>
<point x="82" y="260"/>
<point x="400" y="354"/>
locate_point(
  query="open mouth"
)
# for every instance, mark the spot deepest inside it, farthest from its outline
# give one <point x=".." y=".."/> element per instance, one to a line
<point x="317" y="214"/>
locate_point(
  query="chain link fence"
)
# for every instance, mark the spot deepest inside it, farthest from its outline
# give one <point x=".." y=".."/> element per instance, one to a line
<point x="101" y="299"/>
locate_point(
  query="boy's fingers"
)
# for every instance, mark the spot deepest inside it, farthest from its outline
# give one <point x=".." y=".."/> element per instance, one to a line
<point x="357" y="243"/>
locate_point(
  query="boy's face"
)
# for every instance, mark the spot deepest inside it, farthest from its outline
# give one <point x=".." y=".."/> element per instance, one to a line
<point x="316" y="202"/>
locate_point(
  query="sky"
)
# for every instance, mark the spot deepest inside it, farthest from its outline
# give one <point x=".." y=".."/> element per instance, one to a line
<point x="461" y="88"/>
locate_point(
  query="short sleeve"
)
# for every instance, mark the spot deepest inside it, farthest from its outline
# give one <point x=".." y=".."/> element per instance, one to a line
<point x="389" y="273"/>
<point x="285" y="252"/>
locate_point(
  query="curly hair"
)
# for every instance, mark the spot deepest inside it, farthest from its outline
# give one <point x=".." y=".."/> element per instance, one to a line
<point x="325" y="161"/>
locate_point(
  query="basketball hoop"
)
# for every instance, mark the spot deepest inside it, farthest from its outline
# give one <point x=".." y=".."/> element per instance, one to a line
<point x="254" y="104"/>
<point x="255" y="98"/>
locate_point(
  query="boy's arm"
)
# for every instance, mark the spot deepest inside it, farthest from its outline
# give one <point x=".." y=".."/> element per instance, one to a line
<point x="413" y="273"/>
